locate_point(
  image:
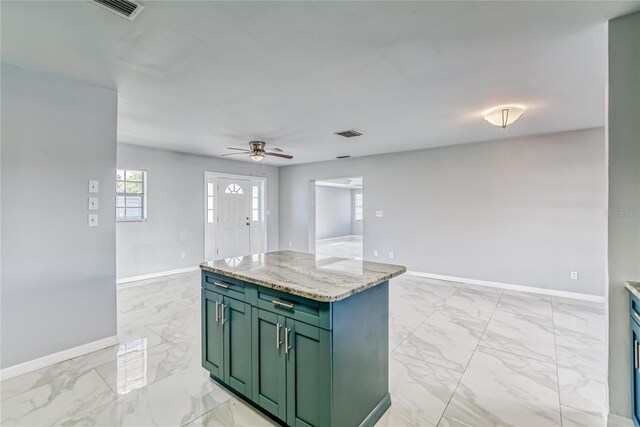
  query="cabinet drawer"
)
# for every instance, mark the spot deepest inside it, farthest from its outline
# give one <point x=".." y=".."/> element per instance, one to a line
<point x="223" y="285"/>
<point x="305" y="310"/>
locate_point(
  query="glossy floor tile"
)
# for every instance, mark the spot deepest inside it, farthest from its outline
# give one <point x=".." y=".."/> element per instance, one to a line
<point x="461" y="355"/>
<point x="344" y="247"/>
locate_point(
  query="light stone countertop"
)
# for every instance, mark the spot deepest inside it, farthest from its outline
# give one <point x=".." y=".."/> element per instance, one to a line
<point x="634" y="288"/>
<point x="317" y="277"/>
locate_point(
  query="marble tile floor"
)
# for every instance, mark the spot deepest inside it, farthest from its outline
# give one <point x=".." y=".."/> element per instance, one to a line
<point x="460" y="355"/>
<point x="345" y="247"/>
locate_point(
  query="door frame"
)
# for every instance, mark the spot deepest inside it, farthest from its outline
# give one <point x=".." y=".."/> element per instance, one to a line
<point x="209" y="235"/>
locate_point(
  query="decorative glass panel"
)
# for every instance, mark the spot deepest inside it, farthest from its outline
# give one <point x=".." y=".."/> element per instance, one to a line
<point x="255" y="192"/>
<point x="209" y="189"/>
<point x="255" y="215"/>
<point x="210" y="216"/>
<point x="233" y="189"/>
<point x="209" y="202"/>
<point x="254" y="203"/>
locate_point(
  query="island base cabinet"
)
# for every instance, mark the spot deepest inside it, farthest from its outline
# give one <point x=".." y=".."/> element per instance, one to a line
<point x="269" y="363"/>
<point x="291" y="370"/>
<point x="308" y="375"/>
<point x="226" y="349"/>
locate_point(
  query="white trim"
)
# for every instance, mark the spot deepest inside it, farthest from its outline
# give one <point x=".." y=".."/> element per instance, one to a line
<point x="618" y="420"/>
<point x="348" y="236"/>
<point x="154" y="275"/>
<point x="521" y="288"/>
<point x="51" y="359"/>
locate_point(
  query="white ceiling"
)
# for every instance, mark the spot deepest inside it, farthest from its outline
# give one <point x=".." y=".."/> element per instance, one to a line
<point x="199" y="76"/>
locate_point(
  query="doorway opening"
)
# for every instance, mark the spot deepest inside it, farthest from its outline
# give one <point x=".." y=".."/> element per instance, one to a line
<point x="339" y="217"/>
<point x="234" y="219"/>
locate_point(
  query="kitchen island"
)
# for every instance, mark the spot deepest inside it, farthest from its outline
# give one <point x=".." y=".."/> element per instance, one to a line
<point x="303" y="337"/>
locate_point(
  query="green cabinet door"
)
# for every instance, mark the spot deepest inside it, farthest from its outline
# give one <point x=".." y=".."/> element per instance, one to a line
<point x="236" y="318"/>
<point x="308" y="374"/>
<point x="212" y="334"/>
<point x="269" y="364"/>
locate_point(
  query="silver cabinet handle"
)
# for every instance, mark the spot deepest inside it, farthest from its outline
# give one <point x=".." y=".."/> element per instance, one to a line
<point x="278" y="342"/>
<point x="217" y="311"/>
<point x="222" y="316"/>
<point x="636" y="359"/>
<point x="222" y="285"/>
<point x="282" y="304"/>
<point x="287" y="347"/>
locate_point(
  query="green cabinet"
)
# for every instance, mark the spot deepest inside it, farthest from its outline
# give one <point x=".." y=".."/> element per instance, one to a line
<point x="308" y="379"/>
<point x="226" y="324"/>
<point x="306" y="363"/>
<point x="269" y="363"/>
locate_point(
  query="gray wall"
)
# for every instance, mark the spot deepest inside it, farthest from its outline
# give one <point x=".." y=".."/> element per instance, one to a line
<point x="333" y="212"/>
<point x="356" y="226"/>
<point x="624" y="198"/>
<point x="58" y="275"/>
<point x="175" y="214"/>
<point x="524" y="211"/>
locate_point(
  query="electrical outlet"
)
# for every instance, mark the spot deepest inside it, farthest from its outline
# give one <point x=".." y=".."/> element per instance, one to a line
<point x="93" y="186"/>
<point x="379" y="214"/>
<point x="375" y="252"/>
<point x="93" y="220"/>
<point x="574" y="275"/>
<point x="390" y="255"/>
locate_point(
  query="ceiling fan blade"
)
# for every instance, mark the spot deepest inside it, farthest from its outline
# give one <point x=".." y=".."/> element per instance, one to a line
<point x="230" y="154"/>
<point x="239" y="149"/>
<point x="279" y="150"/>
<point x="284" y="156"/>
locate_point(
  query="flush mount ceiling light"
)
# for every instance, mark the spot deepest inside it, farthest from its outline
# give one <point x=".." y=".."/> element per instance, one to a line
<point x="503" y="115"/>
<point x="256" y="156"/>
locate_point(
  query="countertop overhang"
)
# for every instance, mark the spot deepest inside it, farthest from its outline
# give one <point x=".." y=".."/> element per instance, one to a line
<point x="317" y="277"/>
<point x="634" y="288"/>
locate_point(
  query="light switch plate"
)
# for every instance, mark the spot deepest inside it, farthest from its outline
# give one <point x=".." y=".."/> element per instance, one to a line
<point x="93" y="203"/>
<point x="379" y="214"/>
<point x="93" y="220"/>
<point x="93" y="186"/>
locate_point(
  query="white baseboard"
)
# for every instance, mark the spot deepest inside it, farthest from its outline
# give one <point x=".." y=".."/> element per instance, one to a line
<point x="348" y="236"/>
<point x="154" y="275"/>
<point x="51" y="359"/>
<point x="521" y="288"/>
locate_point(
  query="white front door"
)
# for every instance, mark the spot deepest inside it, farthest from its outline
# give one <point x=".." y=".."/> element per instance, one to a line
<point x="233" y="231"/>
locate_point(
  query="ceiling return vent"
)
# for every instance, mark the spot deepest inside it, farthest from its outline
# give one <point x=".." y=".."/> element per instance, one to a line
<point x="125" y="8"/>
<point x="351" y="133"/>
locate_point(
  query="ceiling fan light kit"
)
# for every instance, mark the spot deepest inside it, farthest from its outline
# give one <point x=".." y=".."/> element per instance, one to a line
<point x="503" y="115"/>
<point x="257" y="152"/>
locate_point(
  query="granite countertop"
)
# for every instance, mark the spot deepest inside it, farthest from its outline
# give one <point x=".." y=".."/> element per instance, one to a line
<point x="634" y="288"/>
<point x="317" y="277"/>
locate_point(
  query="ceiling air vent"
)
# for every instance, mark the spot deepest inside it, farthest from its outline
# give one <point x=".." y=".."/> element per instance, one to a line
<point x="349" y="133"/>
<point x="125" y="8"/>
<point x="342" y="157"/>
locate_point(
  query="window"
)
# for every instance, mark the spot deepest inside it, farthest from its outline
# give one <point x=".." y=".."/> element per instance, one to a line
<point x="209" y="203"/>
<point x="131" y="204"/>
<point x="358" y="207"/>
<point x="255" y="203"/>
<point x="233" y="189"/>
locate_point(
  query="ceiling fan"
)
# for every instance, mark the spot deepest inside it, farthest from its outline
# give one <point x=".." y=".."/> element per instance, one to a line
<point x="257" y="152"/>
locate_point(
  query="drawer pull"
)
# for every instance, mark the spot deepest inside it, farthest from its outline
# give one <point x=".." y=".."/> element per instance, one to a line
<point x="287" y="347"/>
<point x="222" y="285"/>
<point x="283" y="304"/>
<point x="217" y="311"/>
<point x="636" y="359"/>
